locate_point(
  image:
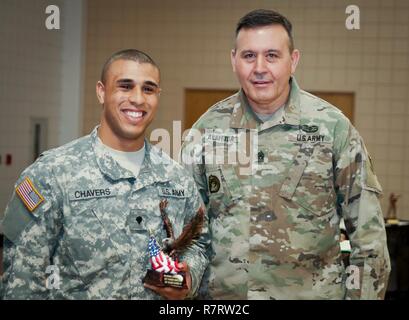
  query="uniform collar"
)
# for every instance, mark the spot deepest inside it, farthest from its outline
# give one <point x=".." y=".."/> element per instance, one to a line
<point x="151" y="170"/>
<point x="243" y="117"/>
<point x="153" y="167"/>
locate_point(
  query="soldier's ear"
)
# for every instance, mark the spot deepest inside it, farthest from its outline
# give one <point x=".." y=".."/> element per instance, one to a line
<point x="295" y="57"/>
<point x="233" y="59"/>
<point x="100" y="92"/>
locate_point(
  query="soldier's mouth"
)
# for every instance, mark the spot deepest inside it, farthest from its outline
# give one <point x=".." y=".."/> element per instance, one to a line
<point x="261" y="83"/>
<point x="133" y="116"/>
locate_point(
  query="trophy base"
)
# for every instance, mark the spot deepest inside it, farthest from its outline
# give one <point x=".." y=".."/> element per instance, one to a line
<point x="161" y="279"/>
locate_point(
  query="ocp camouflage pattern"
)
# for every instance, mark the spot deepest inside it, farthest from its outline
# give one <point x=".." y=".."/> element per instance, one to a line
<point x="275" y="220"/>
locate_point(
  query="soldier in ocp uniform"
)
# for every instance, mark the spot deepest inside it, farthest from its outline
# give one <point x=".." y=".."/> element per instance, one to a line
<point x="275" y="219"/>
<point x="79" y="221"/>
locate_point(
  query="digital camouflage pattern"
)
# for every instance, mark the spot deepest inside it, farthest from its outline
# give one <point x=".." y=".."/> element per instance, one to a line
<point x="275" y="231"/>
<point x="90" y="225"/>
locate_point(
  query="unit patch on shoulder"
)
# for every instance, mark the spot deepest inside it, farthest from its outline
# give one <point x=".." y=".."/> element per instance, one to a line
<point x="29" y="194"/>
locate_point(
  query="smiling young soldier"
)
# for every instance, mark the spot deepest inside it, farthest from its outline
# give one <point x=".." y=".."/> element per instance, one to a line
<point x="83" y="213"/>
<point x="275" y="232"/>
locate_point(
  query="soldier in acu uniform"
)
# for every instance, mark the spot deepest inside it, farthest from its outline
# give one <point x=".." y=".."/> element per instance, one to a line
<point x="79" y="221"/>
<point x="275" y="219"/>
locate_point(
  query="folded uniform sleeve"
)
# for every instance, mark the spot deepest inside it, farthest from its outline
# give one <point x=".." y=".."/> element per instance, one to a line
<point x="358" y="192"/>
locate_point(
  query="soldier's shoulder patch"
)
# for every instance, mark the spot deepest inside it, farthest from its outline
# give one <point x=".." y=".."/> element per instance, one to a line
<point x="29" y="194"/>
<point x="214" y="181"/>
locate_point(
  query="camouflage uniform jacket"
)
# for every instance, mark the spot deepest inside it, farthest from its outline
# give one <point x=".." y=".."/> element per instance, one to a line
<point x="94" y="224"/>
<point x="275" y="229"/>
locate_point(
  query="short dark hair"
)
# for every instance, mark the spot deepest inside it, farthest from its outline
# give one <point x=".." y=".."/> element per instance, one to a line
<point x="263" y="17"/>
<point x="127" y="54"/>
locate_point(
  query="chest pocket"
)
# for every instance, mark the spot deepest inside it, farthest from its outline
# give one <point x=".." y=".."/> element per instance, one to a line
<point x="224" y="189"/>
<point x="88" y="241"/>
<point x="309" y="183"/>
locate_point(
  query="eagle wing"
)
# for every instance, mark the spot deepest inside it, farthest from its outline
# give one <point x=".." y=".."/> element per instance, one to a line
<point x="190" y="232"/>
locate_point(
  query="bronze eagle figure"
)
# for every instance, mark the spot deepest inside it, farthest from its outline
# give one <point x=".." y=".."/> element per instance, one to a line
<point x="191" y="231"/>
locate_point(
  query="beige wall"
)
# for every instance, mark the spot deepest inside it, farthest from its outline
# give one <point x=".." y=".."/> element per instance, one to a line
<point x="40" y="77"/>
<point x="30" y="58"/>
<point x="191" y="41"/>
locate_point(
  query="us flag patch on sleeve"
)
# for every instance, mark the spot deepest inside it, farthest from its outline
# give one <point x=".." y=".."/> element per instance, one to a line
<point x="29" y="195"/>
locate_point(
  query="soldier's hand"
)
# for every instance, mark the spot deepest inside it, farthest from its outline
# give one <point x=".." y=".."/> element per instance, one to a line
<point x="171" y="293"/>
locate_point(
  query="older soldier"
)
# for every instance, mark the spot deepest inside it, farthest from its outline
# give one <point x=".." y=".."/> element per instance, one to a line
<point x="275" y="228"/>
<point x="79" y="221"/>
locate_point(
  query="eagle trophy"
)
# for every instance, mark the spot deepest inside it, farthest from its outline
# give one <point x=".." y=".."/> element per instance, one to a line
<point x="165" y="266"/>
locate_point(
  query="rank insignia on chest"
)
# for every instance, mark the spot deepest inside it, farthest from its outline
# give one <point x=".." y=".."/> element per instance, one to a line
<point x="135" y="221"/>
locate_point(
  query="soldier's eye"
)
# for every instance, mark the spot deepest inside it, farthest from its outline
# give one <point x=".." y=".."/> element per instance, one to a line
<point x="271" y="56"/>
<point x="249" y="56"/>
<point x="149" y="89"/>
<point x="125" y="86"/>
